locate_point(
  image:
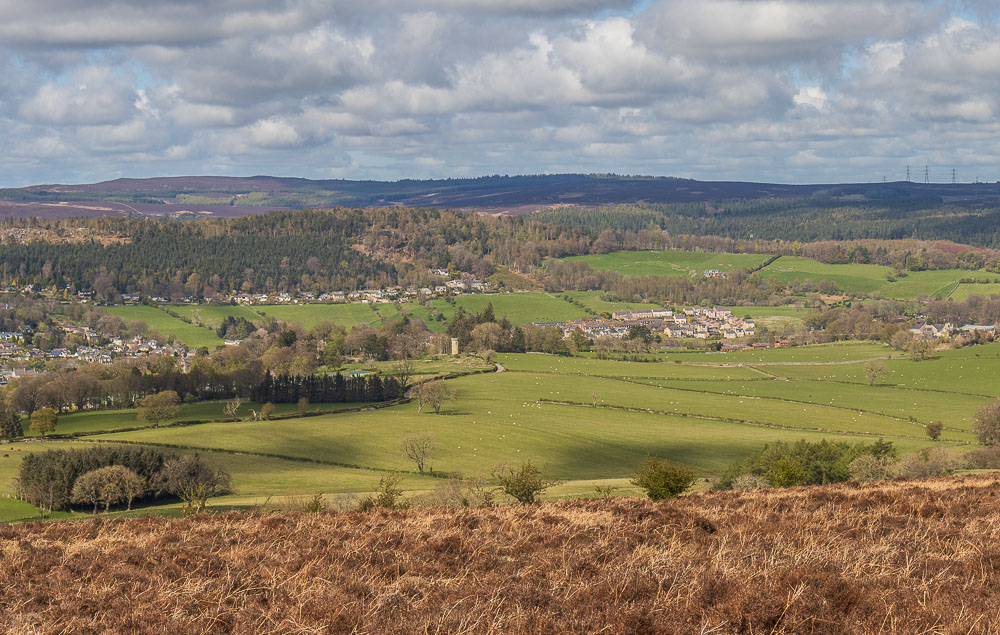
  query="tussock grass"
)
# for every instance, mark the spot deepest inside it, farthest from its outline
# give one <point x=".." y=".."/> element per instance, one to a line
<point x="901" y="556"/>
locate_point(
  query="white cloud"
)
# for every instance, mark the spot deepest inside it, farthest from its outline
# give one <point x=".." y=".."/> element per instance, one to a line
<point x="756" y="89"/>
<point x="93" y="95"/>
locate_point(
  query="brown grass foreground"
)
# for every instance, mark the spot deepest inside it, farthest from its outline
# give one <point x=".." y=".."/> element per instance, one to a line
<point x="921" y="556"/>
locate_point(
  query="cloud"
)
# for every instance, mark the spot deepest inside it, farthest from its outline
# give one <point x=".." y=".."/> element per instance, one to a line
<point x="92" y="95"/>
<point x="816" y="90"/>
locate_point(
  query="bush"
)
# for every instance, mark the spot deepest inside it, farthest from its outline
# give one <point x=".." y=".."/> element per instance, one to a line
<point x="388" y="495"/>
<point x="750" y="481"/>
<point x="805" y="463"/>
<point x="662" y="479"/>
<point x="523" y="483"/>
<point x="984" y="458"/>
<point x="868" y="468"/>
<point x="928" y="463"/>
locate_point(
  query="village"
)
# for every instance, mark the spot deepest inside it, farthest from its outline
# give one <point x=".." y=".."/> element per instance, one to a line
<point x="452" y="283"/>
<point x="691" y="322"/>
<point x="20" y="359"/>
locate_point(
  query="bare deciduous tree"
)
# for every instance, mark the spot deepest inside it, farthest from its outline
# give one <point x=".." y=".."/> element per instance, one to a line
<point x="232" y="408"/>
<point x="418" y="448"/>
<point x="403" y="371"/>
<point x="874" y="371"/>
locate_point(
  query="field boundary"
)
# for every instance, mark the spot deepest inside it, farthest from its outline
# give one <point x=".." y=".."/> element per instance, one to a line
<point x="198" y="422"/>
<point x="747" y="422"/>
<point x="266" y="455"/>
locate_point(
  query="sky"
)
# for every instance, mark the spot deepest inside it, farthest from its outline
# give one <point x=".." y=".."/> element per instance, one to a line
<point x="787" y="91"/>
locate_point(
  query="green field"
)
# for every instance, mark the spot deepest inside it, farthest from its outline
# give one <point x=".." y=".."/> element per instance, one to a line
<point x="871" y="279"/>
<point x="497" y="418"/>
<point x="91" y="421"/>
<point x="860" y="278"/>
<point x="168" y="325"/>
<point x="964" y="290"/>
<point x="519" y="308"/>
<point x="670" y="263"/>
<point x="582" y="419"/>
<point x="308" y="315"/>
<point x="940" y="283"/>
<point x="594" y="301"/>
<point x="211" y="315"/>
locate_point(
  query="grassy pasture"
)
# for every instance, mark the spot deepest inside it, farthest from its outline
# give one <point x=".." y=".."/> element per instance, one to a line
<point x="519" y="308"/>
<point x="167" y="325"/>
<point x="938" y="283"/>
<point x="497" y="418"/>
<point x="936" y="374"/>
<point x="590" y="366"/>
<point x="955" y="410"/>
<point x="966" y="289"/>
<point x="862" y="278"/>
<point x="211" y="315"/>
<point x="309" y="315"/>
<point x="669" y="263"/>
<point x="594" y="301"/>
<point x="91" y="421"/>
<point x="818" y="353"/>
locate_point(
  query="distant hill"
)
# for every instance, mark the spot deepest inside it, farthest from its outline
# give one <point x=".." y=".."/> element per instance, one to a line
<point x="193" y="196"/>
<point x="894" y="557"/>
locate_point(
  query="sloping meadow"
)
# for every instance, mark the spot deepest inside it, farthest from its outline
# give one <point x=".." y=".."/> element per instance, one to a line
<point x="918" y="556"/>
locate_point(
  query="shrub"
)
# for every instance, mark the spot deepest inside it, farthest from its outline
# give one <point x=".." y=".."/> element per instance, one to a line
<point x="867" y="468"/>
<point x="805" y="463"/>
<point x="388" y="495"/>
<point x="984" y="458"/>
<point x="750" y="481"/>
<point x="266" y="411"/>
<point x="523" y="483"/>
<point x="662" y="479"/>
<point x="928" y="463"/>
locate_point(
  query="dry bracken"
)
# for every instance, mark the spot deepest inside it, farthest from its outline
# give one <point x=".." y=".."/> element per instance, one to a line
<point x="902" y="556"/>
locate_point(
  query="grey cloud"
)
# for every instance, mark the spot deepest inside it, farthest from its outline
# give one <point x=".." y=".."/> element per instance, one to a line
<point x="95" y="95"/>
<point x="759" y="89"/>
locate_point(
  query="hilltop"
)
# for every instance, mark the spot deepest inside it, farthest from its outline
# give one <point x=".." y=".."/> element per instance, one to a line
<point x="197" y="196"/>
<point x="886" y="557"/>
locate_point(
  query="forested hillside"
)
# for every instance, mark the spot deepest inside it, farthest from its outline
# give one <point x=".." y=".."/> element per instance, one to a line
<point x="348" y="249"/>
<point x="820" y="217"/>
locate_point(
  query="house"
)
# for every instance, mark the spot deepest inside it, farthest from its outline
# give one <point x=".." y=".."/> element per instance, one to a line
<point x="932" y="331"/>
<point x="985" y="329"/>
